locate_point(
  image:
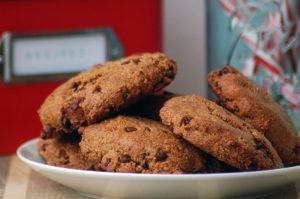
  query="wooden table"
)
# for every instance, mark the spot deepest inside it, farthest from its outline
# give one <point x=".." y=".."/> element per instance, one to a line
<point x="17" y="181"/>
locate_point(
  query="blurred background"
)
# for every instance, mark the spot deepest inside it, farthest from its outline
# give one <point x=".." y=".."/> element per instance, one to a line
<point x="41" y="39"/>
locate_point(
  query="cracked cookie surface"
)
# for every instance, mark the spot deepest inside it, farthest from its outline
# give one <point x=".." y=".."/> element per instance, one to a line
<point x="138" y="145"/>
<point x="103" y="90"/>
<point x="245" y="99"/>
<point x="220" y="133"/>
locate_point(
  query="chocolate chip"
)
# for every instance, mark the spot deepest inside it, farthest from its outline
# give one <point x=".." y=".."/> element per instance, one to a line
<point x="93" y="80"/>
<point x="210" y="109"/>
<point x="170" y="73"/>
<point x="171" y="126"/>
<point x="156" y="62"/>
<point x="75" y="105"/>
<point x="229" y="100"/>
<point x="130" y="129"/>
<point x="107" y="161"/>
<point x="75" y="85"/>
<point x="125" y="62"/>
<point x="223" y="71"/>
<point x="185" y="120"/>
<point x="146" y="165"/>
<point x="147" y="129"/>
<point x="161" y="155"/>
<point x="44" y="146"/>
<point x="50" y="128"/>
<point x="97" y="89"/>
<point x="126" y="96"/>
<point x="262" y="147"/>
<point x="125" y="158"/>
<point x="259" y="145"/>
<point x="47" y="132"/>
<point x="136" y="61"/>
<point x="45" y="135"/>
<point x="67" y="124"/>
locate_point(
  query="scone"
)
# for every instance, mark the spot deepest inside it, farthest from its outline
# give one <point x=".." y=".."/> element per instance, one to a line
<point x="63" y="152"/>
<point x="138" y="145"/>
<point x="103" y="90"/>
<point x="246" y="100"/>
<point x="220" y="133"/>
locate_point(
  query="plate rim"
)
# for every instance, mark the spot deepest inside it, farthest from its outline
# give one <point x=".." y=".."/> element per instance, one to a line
<point x="198" y="176"/>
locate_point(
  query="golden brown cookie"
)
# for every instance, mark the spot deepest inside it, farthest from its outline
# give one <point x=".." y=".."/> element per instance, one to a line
<point x="101" y="91"/>
<point x="63" y="152"/>
<point x="246" y="100"/>
<point x="138" y="145"/>
<point x="220" y="133"/>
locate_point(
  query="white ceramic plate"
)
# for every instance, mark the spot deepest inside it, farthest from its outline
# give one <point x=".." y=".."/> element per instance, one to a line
<point x="126" y="185"/>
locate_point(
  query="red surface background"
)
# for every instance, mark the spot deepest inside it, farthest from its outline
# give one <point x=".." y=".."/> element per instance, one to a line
<point x="136" y="23"/>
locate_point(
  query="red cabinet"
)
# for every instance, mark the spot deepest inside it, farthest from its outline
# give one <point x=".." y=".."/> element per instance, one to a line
<point x="136" y="23"/>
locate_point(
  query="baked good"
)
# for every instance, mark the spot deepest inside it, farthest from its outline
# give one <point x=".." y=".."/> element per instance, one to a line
<point x="220" y="133"/>
<point x="213" y="165"/>
<point x="103" y="90"/>
<point x="138" y="145"/>
<point x="63" y="152"/>
<point x="246" y="100"/>
<point x="149" y="106"/>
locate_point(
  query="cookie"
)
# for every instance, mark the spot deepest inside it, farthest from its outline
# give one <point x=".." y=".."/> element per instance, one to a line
<point x="138" y="145"/>
<point x="63" y="153"/>
<point x="103" y="90"/>
<point x="220" y="133"/>
<point x="149" y="106"/>
<point x="213" y="165"/>
<point x="246" y="100"/>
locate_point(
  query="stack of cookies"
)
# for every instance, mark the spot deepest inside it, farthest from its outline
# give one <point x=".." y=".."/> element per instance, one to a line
<point x="110" y="118"/>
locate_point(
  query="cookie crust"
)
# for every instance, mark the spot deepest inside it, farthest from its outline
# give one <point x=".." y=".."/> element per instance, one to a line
<point x="103" y="90"/>
<point x="245" y="99"/>
<point x="220" y="133"/>
<point x="138" y="145"/>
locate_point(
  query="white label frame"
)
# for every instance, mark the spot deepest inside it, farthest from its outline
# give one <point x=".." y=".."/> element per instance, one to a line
<point x="35" y="57"/>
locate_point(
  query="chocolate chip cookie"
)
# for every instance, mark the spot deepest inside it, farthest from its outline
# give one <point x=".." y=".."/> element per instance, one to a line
<point x="103" y="90"/>
<point x="149" y="106"/>
<point x="246" y="100"/>
<point x="220" y="133"/>
<point x="63" y="152"/>
<point x="138" y="145"/>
